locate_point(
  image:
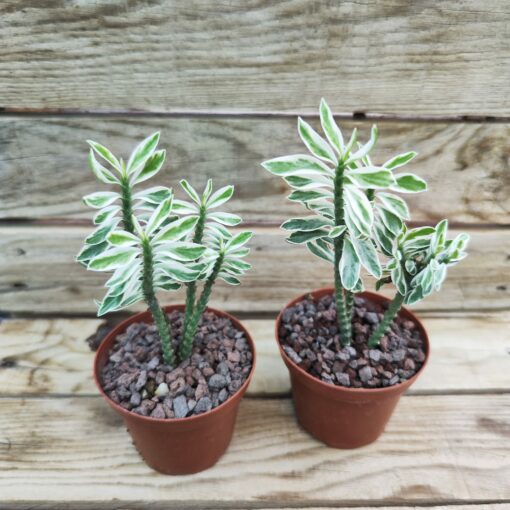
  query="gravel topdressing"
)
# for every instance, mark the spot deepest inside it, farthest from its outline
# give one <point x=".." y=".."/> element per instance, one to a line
<point x="136" y="378"/>
<point x="309" y="336"/>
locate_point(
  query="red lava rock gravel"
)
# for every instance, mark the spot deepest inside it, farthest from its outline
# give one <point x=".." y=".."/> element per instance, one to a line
<point x="136" y="378"/>
<point x="309" y="336"/>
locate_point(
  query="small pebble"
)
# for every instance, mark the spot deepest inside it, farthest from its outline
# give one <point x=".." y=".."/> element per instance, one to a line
<point x="162" y="390"/>
<point x="217" y="382"/>
<point x="180" y="406"/>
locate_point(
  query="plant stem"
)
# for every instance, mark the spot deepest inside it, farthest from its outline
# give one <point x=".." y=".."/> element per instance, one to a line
<point x="349" y="303"/>
<point x="158" y="314"/>
<point x="191" y="288"/>
<point x="389" y="315"/>
<point x="344" y="322"/>
<point x="127" y="205"/>
<point x="187" y="342"/>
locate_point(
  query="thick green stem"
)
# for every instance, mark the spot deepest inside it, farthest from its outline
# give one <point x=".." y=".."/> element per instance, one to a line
<point x="187" y="341"/>
<point x="158" y="314"/>
<point x="191" y="288"/>
<point x="389" y="315"/>
<point x="127" y="206"/>
<point x="344" y="321"/>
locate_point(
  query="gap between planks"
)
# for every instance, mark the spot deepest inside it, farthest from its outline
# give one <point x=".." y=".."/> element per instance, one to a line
<point x="470" y="354"/>
<point x="358" y="116"/>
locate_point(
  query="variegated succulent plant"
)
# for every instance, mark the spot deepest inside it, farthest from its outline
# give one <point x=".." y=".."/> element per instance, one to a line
<point x="153" y="242"/>
<point x="356" y="215"/>
<point x="211" y="231"/>
<point x="417" y="267"/>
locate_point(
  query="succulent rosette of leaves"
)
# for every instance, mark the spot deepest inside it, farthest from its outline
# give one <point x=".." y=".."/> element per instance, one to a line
<point x="117" y="206"/>
<point x="419" y="261"/>
<point x="152" y="242"/>
<point x="355" y="211"/>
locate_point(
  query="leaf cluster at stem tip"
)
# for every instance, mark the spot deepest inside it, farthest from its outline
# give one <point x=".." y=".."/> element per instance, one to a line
<point x="356" y="221"/>
<point x="151" y="241"/>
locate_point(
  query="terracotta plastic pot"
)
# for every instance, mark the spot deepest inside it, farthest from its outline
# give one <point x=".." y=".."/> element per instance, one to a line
<point x="177" y="446"/>
<point x="338" y="416"/>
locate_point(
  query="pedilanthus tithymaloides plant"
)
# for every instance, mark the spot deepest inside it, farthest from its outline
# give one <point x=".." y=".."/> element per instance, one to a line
<point x="145" y="242"/>
<point x="418" y="263"/>
<point x="210" y="229"/>
<point x="354" y="210"/>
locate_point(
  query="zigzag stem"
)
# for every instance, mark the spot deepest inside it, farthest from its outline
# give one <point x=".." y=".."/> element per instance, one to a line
<point x="344" y="321"/>
<point x="187" y="343"/>
<point x="191" y="288"/>
<point x="127" y="205"/>
<point x="389" y="315"/>
<point x="158" y="314"/>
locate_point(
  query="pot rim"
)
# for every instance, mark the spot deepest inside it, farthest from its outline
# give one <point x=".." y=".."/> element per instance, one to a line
<point x="342" y="389"/>
<point x="121" y="327"/>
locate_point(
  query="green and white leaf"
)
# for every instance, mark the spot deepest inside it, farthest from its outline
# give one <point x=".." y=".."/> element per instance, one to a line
<point x="151" y="167"/>
<point x="400" y="160"/>
<point x="365" y="149"/>
<point x="122" y="238"/>
<point x="330" y="128"/>
<point x="158" y="216"/>
<point x="228" y="219"/>
<point x="349" y="265"/>
<point x="190" y="191"/>
<point x="101" y="199"/>
<point x="297" y="164"/>
<point x="315" y="143"/>
<point x="176" y="230"/>
<point x="409" y="183"/>
<point x="371" y="178"/>
<point x="306" y="224"/>
<point x="100" y="171"/>
<point x="104" y="153"/>
<point x="238" y="241"/>
<point x="367" y="255"/>
<point x="220" y="197"/>
<point x="300" y="237"/>
<point x="394" y="204"/>
<point x="113" y="259"/>
<point x="142" y="152"/>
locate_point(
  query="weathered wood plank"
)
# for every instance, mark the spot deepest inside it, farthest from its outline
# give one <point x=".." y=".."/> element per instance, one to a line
<point x="493" y="506"/>
<point x="44" y="172"/>
<point x="258" y="56"/>
<point x="40" y="357"/>
<point x="76" y="449"/>
<point x="38" y="274"/>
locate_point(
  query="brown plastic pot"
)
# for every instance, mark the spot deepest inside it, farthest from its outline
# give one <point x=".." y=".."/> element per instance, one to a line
<point x="338" y="416"/>
<point x="177" y="446"/>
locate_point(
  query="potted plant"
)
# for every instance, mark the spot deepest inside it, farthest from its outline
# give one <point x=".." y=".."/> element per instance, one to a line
<point x="175" y="374"/>
<point x="350" y="353"/>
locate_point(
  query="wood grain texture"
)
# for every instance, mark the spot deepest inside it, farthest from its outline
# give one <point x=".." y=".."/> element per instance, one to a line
<point x="38" y="274"/>
<point x="76" y="449"/>
<point x="469" y="353"/>
<point x="44" y="171"/>
<point x="417" y="57"/>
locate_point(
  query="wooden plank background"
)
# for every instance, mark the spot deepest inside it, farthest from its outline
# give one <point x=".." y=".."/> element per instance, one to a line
<point x="224" y="83"/>
<point x="49" y="357"/>
<point x="38" y="274"/>
<point x="392" y="57"/>
<point x="44" y="171"/>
